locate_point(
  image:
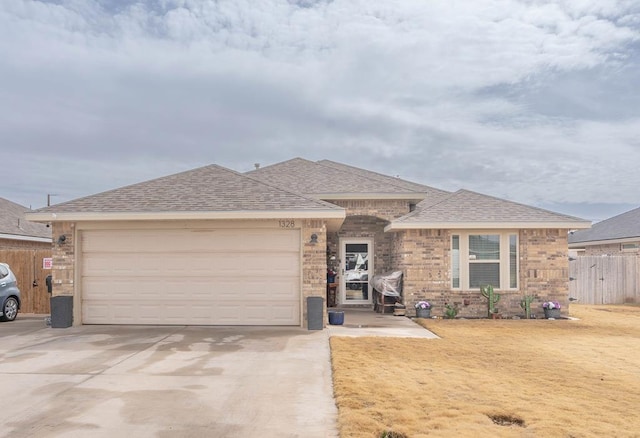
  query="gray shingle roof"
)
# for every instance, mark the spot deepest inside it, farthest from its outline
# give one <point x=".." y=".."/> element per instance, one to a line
<point x="293" y="186"/>
<point x="207" y="189"/>
<point x="327" y="177"/>
<point x="12" y="221"/>
<point x="622" y="226"/>
<point x="465" y="206"/>
<point x="401" y="183"/>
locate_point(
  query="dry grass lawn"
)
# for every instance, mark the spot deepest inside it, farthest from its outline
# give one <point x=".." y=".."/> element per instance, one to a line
<point x="559" y="378"/>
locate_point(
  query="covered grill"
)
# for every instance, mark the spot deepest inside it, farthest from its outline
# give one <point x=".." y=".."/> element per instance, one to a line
<point x="387" y="290"/>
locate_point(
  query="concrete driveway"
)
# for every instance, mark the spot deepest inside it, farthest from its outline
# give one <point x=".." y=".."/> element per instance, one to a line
<point x="167" y="381"/>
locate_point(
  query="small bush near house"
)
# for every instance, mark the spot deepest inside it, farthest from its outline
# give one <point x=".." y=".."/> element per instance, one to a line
<point x="450" y="310"/>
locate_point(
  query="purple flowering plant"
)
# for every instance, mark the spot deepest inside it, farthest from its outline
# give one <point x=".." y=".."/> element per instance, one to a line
<point x="551" y="305"/>
<point x="423" y="305"/>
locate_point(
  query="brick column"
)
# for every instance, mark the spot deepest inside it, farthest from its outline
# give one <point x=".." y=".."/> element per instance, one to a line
<point x="314" y="264"/>
<point x="63" y="273"/>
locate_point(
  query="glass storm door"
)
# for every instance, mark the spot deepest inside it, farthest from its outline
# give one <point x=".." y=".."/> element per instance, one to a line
<point x="357" y="263"/>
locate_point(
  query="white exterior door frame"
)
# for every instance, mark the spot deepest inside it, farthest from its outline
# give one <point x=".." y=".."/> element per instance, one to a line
<point x="356" y="270"/>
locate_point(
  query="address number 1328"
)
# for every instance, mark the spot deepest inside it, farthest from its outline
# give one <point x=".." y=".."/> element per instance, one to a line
<point x="287" y="223"/>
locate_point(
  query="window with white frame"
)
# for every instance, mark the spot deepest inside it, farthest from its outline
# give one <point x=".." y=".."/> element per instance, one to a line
<point x="484" y="258"/>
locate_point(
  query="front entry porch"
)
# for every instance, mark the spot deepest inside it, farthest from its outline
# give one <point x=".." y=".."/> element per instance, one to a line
<point x="366" y="322"/>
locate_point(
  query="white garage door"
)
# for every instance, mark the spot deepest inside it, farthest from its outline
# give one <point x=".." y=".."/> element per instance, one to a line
<point x="207" y="277"/>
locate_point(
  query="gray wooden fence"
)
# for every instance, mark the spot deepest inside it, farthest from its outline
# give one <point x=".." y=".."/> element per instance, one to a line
<point x="605" y="280"/>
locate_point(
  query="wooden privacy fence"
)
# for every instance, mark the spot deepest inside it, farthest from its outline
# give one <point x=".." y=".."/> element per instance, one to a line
<point x="26" y="264"/>
<point x="605" y="280"/>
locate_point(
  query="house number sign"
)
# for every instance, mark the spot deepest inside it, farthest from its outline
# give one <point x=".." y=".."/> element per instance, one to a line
<point x="287" y="223"/>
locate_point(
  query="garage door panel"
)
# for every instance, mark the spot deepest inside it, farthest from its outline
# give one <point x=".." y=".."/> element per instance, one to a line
<point x="133" y="288"/>
<point x="279" y="314"/>
<point x="158" y="265"/>
<point x="123" y="289"/>
<point x="238" y="313"/>
<point x="116" y="264"/>
<point x="135" y="241"/>
<point x="150" y="265"/>
<point x="237" y="265"/>
<point x="136" y="277"/>
<point x="95" y="312"/>
<point x="283" y="288"/>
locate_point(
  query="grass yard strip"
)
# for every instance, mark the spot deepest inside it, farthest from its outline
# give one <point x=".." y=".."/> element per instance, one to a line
<point x="502" y="378"/>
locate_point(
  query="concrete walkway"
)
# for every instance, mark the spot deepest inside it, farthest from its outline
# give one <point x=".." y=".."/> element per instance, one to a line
<point x="366" y="322"/>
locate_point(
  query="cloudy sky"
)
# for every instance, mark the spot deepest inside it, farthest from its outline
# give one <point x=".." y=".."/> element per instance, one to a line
<point x="533" y="101"/>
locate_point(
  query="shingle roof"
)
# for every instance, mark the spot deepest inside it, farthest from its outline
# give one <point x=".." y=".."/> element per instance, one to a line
<point x="294" y="186"/>
<point x="401" y="183"/>
<point x="13" y="222"/>
<point x="327" y="177"/>
<point x="622" y="226"/>
<point x="207" y="189"/>
<point x="466" y="207"/>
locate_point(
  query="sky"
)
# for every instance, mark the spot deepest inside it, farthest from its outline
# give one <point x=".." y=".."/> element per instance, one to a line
<point x="533" y="101"/>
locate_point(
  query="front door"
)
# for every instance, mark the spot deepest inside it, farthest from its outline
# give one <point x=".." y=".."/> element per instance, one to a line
<point x="356" y="256"/>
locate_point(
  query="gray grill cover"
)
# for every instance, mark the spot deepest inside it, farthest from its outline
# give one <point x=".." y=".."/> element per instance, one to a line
<point x="388" y="284"/>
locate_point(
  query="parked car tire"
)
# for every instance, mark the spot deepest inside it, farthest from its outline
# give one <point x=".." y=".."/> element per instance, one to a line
<point x="10" y="309"/>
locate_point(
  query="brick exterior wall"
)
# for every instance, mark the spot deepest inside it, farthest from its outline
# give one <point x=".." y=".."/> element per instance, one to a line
<point x="425" y="258"/>
<point x="367" y="219"/>
<point x="314" y="264"/>
<point x="544" y="267"/>
<point x="63" y="254"/>
<point x="382" y="208"/>
<point x="366" y="227"/>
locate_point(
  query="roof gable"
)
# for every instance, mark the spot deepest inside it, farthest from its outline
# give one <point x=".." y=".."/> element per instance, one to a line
<point x="467" y="209"/>
<point x="14" y="225"/>
<point x="396" y="182"/>
<point x="330" y="180"/>
<point x="622" y="226"/>
<point x="207" y="189"/>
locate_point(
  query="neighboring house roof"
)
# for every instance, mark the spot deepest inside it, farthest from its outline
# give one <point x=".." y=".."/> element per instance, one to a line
<point x="13" y="224"/>
<point x="625" y="226"/>
<point x="465" y="209"/>
<point x="212" y="192"/>
<point x="330" y="180"/>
